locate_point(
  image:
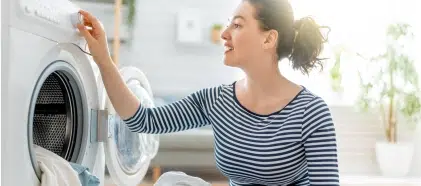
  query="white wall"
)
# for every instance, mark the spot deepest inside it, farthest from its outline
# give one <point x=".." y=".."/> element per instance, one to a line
<point x="171" y="66"/>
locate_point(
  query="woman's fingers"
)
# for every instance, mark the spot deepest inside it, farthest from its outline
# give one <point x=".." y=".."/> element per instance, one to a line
<point x="87" y="23"/>
<point x="90" y="20"/>
<point x="85" y="33"/>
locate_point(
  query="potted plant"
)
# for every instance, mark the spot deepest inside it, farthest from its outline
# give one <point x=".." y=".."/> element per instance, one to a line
<point x="216" y="33"/>
<point x="391" y="85"/>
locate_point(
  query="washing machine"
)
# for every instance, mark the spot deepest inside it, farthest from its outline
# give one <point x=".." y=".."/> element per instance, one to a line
<point x="56" y="99"/>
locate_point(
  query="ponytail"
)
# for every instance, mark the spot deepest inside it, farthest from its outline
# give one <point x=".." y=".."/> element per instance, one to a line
<point x="307" y="45"/>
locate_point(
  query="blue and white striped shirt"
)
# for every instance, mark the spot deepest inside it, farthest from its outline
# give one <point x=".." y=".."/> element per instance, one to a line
<point x="293" y="146"/>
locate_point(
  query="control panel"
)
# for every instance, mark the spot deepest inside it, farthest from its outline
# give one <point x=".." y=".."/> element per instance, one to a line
<point x="53" y="19"/>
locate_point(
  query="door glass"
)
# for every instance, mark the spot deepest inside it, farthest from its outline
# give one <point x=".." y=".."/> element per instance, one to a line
<point x="131" y="146"/>
<point x="151" y="140"/>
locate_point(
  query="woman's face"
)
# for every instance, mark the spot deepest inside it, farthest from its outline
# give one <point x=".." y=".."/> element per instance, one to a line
<point x="243" y="37"/>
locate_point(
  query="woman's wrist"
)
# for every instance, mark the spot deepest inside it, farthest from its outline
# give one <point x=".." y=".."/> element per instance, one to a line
<point x="105" y="63"/>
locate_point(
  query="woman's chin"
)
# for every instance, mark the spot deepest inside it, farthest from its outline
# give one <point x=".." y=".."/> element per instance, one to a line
<point x="228" y="62"/>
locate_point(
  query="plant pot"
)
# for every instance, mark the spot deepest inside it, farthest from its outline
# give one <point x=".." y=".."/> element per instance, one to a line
<point x="216" y="36"/>
<point x="394" y="159"/>
<point x="416" y="162"/>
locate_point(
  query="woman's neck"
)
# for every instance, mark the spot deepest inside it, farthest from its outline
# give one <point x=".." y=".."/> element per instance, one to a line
<point x="264" y="83"/>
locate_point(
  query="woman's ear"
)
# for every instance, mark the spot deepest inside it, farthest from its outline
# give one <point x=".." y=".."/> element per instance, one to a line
<point x="271" y="38"/>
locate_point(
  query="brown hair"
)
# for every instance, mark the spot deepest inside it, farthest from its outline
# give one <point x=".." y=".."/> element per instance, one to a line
<point x="300" y="41"/>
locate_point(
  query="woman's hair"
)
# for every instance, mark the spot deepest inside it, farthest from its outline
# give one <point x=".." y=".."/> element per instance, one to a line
<point x="300" y="41"/>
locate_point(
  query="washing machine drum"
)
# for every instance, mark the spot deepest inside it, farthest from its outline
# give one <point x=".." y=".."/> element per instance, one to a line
<point x="56" y="119"/>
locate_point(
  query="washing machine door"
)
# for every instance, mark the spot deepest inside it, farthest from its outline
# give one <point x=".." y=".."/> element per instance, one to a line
<point x="139" y="85"/>
<point x="128" y="154"/>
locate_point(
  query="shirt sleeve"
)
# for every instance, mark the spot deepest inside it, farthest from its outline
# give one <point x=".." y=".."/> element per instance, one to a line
<point x="320" y="146"/>
<point x="187" y="113"/>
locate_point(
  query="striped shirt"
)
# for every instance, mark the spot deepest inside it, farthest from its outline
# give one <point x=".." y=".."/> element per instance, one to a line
<point x="293" y="146"/>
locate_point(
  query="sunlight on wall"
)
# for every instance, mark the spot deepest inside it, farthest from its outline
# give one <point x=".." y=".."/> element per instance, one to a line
<point x="360" y="25"/>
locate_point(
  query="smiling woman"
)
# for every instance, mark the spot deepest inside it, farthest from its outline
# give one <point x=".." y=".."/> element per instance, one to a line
<point x="268" y="130"/>
<point x="300" y="41"/>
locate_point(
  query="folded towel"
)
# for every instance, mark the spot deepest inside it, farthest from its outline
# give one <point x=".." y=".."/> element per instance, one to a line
<point x="85" y="177"/>
<point x="55" y="170"/>
<point x="173" y="178"/>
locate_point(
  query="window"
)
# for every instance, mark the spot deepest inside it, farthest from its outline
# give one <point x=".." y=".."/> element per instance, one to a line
<point x="360" y="26"/>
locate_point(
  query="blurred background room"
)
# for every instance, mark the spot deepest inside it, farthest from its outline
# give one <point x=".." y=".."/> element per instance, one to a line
<point x="374" y="53"/>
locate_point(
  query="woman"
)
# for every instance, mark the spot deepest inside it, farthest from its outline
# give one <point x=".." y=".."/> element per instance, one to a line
<point x="268" y="130"/>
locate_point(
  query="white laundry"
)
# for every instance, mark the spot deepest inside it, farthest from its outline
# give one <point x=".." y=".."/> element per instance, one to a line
<point x="179" y="179"/>
<point x="56" y="171"/>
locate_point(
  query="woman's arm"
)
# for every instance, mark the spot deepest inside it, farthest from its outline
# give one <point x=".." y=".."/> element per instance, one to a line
<point x="190" y="112"/>
<point x="124" y="101"/>
<point x="185" y="114"/>
<point x="320" y="146"/>
<point x="122" y="98"/>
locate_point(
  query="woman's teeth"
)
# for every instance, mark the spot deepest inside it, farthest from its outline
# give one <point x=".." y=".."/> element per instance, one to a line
<point x="227" y="49"/>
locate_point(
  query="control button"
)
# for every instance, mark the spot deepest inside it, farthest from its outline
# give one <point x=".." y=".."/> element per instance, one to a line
<point x="76" y="18"/>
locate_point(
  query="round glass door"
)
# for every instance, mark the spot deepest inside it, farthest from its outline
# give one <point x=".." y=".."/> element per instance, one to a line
<point x="151" y="140"/>
<point x="127" y="153"/>
<point x="131" y="146"/>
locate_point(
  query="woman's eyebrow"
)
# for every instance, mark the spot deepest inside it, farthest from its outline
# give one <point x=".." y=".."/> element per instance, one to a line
<point x="237" y="17"/>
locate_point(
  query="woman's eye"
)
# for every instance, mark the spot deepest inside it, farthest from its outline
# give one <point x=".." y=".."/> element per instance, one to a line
<point x="236" y="25"/>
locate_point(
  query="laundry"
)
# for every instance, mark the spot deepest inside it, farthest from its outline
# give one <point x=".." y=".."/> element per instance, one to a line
<point x="85" y="177"/>
<point x="56" y="171"/>
<point x="176" y="178"/>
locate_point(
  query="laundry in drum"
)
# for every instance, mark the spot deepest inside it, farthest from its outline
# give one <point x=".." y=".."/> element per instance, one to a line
<point x="85" y="177"/>
<point x="56" y="171"/>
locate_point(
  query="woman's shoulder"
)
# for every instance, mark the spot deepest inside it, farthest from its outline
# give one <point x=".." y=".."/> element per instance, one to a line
<point x="216" y="88"/>
<point x="213" y="92"/>
<point x="309" y="103"/>
<point x="307" y="97"/>
<point x="220" y="89"/>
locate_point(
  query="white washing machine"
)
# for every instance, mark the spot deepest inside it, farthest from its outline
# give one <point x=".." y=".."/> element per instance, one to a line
<point x="55" y="99"/>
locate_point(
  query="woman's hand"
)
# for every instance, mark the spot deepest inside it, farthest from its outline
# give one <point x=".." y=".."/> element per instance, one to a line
<point x="95" y="36"/>
<point x="123" y="100"/>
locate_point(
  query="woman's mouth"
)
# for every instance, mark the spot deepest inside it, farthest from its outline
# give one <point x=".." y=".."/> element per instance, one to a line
<point x="228" y="49"/>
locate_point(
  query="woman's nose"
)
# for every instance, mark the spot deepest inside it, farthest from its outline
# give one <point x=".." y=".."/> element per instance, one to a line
<point x="225" y="35"/>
